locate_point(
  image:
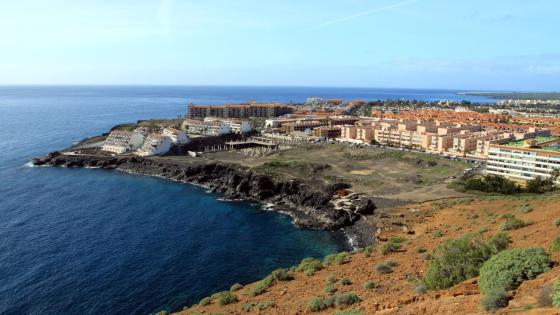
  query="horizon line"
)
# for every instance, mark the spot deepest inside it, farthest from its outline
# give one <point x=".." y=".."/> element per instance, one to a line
<point x="269" y="86"/>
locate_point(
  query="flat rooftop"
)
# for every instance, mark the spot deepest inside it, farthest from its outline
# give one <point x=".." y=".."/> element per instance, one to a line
<point x="543" y="143"/>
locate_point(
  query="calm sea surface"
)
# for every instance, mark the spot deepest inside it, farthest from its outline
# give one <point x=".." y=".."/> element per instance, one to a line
<point x="80" y="241"/>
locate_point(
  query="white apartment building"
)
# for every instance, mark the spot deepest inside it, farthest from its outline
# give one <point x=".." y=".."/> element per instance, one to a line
<point x="120" y="141"/>
<point x="524" y="159"/>
<point x="155" y="144"/>
<point x="176" y="136"/>
<point x="207" y="128"/>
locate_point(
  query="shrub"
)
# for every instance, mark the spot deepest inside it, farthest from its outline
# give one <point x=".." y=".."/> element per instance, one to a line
<point x="368" y="285"/>
<point x="555" y="246"/>
<point x="526" y="208"/>
<point x="265" y="305"/>
<point x="236" y="287"/>
<point x="557" y="223"/>
<point x="329" y="288"/>
<point x="316" y="304"/>
<point x="345" y="281"/>
<point x="205" y="301"/>
<point x="343" y="299"/>
<point x="261" y="286"/>
<point x="338" y="259"/>
<point x="513" y="224"/>
<point x="331" y="279"/>
<point x="492" y="184"/>
<point x="281" y="275"/>
<point x="506" y="270"/>
<point x="383" y="268"/>
<point x="555" y="294"/>
<point x="390" y="247"/>
<point x="247" y="307"/>
<point x="454" y="261"/>
<point x="393" y="245"/>
<point x="494" y="300"/>
<point x="421" y="250"/>
<point x="368" y="250"/>
<point x="437" y="233"/>
<point x="227" y="297"/>
<point x="309" y="266"/>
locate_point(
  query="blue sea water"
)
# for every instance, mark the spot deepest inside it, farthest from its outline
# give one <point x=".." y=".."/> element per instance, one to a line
<point x="82" y="241"/>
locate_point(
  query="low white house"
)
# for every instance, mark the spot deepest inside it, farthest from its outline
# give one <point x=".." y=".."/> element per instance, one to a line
<point x="176" y="136"/>
<point x="207" y="128"/>
<point x="239" y="126"/>
<point x="120" y="141"/>
<point x="155" y="144"/>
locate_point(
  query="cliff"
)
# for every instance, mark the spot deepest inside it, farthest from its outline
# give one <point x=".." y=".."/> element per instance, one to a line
<point x="310" y="207"/>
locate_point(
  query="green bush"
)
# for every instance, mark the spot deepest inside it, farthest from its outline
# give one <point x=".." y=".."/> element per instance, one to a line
<point x="555" y="246"/>
<point x="394" y="244"/>
<point x="494" y="300"/>
<point x="281" y="275"/>
<point x="236" y="287"/>
<point x="555" y="294"/>
<point x="247" y="307"/>
<point x="265" y="305"/>
<point x="329" y="288"/>
<point x="513" y="224"/>
<point x="368" y="250"/>
<point x="345" y="281"/>
<point x="368" y="285"/>
<point x="227" y="297"/>
<point x="454" y="261"/>
<point x="205" y="301"/>
<point x="316" y="304"/>
<point x="346" y="299"/>
<point x="338" y="259"/>
<point x="557" y="223"/>
<point x="506" y="270"/>
<point x="331" y="278"/>
<point x="261" y="286"/>
<point x="492" y="184"/>
<point x="437" y="233"/>
<point x="309" y="266"/>
<point x="383" y="268"/>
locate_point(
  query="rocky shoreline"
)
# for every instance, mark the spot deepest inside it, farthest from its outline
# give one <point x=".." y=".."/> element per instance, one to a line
<point x="310" y="207"/>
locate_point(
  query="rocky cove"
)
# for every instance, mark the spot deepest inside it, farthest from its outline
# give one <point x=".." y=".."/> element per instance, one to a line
<point x="312" y="207"/>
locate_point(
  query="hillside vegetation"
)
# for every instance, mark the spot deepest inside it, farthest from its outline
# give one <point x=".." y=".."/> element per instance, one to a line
<point x="432" y="267"/>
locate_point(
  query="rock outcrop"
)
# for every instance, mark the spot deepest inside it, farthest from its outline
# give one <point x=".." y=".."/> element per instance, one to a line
<point x="310" y="207"/>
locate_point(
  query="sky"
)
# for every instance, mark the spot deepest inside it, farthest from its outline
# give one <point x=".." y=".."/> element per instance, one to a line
<point x="447" y="44"/>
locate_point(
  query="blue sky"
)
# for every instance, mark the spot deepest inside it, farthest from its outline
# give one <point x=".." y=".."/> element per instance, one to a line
<point x="475" y="44"/>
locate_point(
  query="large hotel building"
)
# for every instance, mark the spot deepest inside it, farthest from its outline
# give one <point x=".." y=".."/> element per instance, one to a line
<point x="263" y="110"/>
<point x="524" y="159"/>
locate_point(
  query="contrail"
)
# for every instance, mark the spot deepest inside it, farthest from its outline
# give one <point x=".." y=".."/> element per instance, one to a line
<point x="355" y="16"/>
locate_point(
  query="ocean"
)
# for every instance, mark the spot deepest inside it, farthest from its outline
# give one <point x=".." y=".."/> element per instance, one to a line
<point x="85" y="241"/>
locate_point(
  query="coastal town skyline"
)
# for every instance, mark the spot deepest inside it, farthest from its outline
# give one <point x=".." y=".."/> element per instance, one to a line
<point x="502" y="45"/>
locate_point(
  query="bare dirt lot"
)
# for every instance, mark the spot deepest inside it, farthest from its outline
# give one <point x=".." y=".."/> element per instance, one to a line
<point x="378" y="172"/>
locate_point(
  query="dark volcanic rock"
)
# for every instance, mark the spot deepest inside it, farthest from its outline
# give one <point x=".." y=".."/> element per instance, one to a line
<point x="310" y="207"/>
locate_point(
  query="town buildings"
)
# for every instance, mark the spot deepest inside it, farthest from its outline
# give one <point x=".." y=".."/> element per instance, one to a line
<point x="524" y="159"/>
<point x="120" y="141"/>
<point x="155" y="144"/>
<point x="176" y="136"/>
<point x="248" y="110"/>
<point x="239" y="126"/>
<point x="206" y="128"/>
